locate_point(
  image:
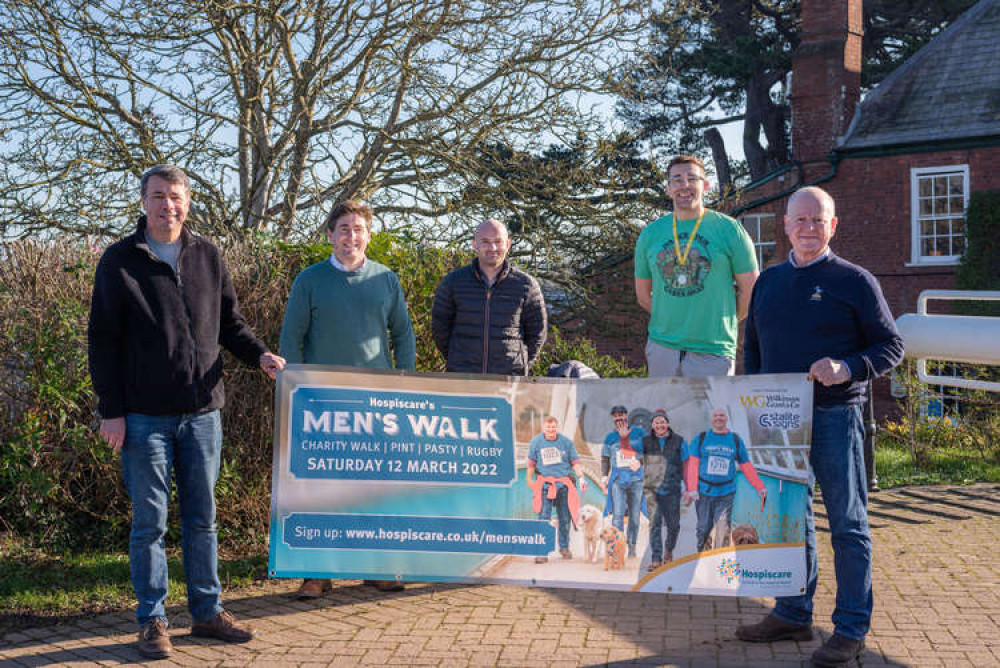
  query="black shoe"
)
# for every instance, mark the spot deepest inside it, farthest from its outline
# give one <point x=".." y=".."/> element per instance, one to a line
<point x="772" y="629"/>
<point x="838" y="651"/>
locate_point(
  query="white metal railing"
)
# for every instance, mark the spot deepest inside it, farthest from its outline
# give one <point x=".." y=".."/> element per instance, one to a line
<point x="789" y="462"/>
<point x="953" y="338"/>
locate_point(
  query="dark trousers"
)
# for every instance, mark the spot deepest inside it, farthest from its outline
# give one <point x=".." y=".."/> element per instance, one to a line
<point x="838" y="464"/>
<point x="561" y="505"/>
<point x="664" y="509"/>
<point x="714" y="512"/>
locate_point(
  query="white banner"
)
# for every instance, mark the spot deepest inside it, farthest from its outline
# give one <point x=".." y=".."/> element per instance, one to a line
<point x="453" y="477"/>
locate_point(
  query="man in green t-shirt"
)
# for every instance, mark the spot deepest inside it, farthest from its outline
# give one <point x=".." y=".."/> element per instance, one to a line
<point x="694" y="272"/>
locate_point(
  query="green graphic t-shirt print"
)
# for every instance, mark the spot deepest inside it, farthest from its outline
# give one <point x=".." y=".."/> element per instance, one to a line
<point x="693" y="303"/>
<point x="684" y="280"/>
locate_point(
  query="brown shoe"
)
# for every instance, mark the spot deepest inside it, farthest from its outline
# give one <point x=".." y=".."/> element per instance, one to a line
<point x="565" y="553"/>
<point x="224" y="627"/>
<point x="385" y="585"/>
<point x="772" y="629"/>
<point x="154" y="642"/>
<point x="668" y="556"/>
<point x="653" y="565"/>
<point x="314" y="588"/>
<point x="541" y="560"/>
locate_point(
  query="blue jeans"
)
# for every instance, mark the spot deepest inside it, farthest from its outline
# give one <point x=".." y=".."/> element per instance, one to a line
<point x="714" y="511"/>
<point x="838" y="464"/>
<point x="665" y="509"/>
<point x="627" y="495"/>
<point x="561" y="503"/>
<point x="188" y="445"/>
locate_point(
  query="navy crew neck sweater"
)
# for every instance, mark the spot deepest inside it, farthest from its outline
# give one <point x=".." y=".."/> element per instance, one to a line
<point x="832" y="308"/>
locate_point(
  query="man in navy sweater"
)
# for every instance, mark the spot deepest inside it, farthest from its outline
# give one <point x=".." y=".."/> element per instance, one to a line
<point x="821" y="314"/>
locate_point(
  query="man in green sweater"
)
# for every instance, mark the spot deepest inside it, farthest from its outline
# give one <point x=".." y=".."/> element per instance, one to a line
<point x="346" y="311"/>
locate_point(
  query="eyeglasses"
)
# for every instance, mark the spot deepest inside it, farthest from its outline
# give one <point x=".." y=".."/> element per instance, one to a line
<point x="684" y="180"/>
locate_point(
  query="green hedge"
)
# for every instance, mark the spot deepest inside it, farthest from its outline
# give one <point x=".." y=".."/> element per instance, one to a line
<point x="979" y="268"/>
<point x="61" y="487"/>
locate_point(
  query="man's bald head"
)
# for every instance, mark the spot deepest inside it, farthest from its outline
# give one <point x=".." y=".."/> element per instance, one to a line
<point x="491" y="242"/>
<point x="810" y="224"/>
<point x="491" y="225"/>
<point x="816" y="194"/>
<point x="720" y="418"/>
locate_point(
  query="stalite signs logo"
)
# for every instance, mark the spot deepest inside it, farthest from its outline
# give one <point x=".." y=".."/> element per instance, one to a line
<point x="779" y="411"/>
<point x="783" y="420"/>
<point x="729" y="569"/>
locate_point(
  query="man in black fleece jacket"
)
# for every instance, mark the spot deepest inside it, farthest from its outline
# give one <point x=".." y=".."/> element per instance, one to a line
<point x="488" y="316"/>
<point x="162" y="305"/>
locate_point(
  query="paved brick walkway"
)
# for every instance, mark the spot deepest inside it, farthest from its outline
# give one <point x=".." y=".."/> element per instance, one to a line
<point x="937" y="603"/>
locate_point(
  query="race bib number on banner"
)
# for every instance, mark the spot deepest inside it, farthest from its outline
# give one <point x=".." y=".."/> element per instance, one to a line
<point x="717" y="465"/>
<point x="386" y="475"/>
<point x="622" y="462"/>
<point x="551" y="456"/>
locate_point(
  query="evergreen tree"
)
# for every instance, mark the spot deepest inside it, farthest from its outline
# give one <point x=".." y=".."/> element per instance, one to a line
<point x="711" y="62"/>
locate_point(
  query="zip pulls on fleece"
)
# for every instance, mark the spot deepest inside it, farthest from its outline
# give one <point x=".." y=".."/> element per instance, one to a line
<point x="176" y="273"/>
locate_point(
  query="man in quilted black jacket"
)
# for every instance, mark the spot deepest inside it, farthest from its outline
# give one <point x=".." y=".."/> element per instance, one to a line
<point x="489" y="316"/>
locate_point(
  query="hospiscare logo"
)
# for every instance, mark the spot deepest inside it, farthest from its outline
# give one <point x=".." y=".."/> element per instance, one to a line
<point x="731" y="571"/>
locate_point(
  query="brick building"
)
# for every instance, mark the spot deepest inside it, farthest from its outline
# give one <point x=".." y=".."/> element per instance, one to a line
<point x="900" y="163"/>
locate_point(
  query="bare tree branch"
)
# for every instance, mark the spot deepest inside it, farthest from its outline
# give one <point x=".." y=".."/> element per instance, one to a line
<point x="276" y="109"/>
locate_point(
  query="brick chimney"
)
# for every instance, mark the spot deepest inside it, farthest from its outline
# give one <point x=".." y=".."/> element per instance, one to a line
<point x="826" y="76"/>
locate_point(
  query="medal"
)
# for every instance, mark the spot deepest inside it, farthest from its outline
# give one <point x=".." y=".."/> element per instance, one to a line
<point x="682" y="257"/>
<point x="682" y="279"/>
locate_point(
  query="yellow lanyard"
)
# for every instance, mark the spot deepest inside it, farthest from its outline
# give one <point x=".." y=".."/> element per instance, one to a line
<point x="682" y="257"/>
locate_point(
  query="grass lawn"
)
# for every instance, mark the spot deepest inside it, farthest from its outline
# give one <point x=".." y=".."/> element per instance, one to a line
<point x="895" y="467"/>
<point x="35" y="585"/>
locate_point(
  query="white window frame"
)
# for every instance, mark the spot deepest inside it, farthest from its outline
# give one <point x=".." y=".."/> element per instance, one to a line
<point x="916" y="174"/>
<point x="751" y="223"/>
